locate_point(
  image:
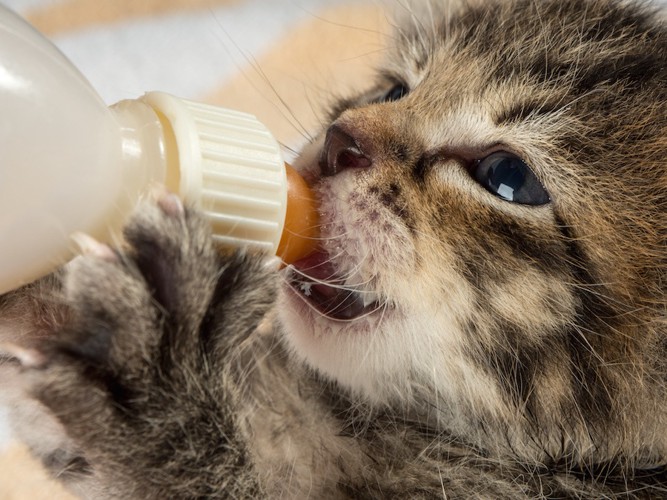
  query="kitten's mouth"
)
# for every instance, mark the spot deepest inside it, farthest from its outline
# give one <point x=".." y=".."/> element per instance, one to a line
<point x="316" y="280"/>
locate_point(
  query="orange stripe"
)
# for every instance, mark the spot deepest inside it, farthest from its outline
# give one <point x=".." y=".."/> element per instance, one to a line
<point x="75" y="14"/>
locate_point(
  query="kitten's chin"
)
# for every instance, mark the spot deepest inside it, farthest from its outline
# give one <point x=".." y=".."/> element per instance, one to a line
<point x="373" y="357"/>
<point x="338" y="349"/>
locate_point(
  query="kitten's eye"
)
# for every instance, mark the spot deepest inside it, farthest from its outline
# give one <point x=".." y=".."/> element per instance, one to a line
<point x="396" y="92"/>
<point x="508" y="177"/>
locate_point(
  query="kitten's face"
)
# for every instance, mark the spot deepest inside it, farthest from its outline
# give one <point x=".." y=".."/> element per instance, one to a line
<point x="493" y="220"/>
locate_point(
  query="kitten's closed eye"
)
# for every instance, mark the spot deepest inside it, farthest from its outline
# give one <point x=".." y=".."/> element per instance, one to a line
<point x="508" y="177"/>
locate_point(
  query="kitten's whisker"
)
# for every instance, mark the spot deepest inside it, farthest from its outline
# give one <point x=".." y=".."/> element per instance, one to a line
<point x="359" y="264"/>
<point x="331" y="284"/>
<point x="349" y="26"/>
<point x="284" y="146"/>
<point x="291" y="116"/>
<point x="364" y="54"/>
<point x="254" y="65"/>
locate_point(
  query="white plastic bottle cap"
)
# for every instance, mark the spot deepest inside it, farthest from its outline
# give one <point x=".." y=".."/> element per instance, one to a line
<point x="230" y="167"/>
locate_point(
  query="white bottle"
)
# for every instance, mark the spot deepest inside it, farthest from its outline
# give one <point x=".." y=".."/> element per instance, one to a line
<point x="70" y="164"/>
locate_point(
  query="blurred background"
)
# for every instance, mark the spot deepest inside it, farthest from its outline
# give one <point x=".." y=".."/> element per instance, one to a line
<point x="252" y="52"/>
<point x="280" y="60"/>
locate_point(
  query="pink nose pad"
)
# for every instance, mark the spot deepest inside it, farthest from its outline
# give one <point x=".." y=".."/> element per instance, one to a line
<point x="341" y="152"/>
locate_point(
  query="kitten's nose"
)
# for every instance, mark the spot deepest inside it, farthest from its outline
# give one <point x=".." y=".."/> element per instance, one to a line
<point x="341" y="152"/>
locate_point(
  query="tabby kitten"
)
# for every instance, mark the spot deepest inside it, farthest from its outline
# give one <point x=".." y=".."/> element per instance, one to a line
<point x="485" y="317"/>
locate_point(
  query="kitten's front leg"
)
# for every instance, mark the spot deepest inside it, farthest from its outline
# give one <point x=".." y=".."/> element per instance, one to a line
<point x="142" y="377"/>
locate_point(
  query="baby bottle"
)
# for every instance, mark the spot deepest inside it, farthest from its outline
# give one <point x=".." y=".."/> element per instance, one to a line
<point x="72" y="164"/>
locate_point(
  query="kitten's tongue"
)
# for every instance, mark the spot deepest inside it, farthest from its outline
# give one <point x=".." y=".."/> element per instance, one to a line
<point x="315" y="278"/>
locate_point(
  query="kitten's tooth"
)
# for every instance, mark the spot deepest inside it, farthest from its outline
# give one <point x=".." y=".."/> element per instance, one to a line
<point x="368" y="298"/>
<point x="90" y="246"/>
<point x="306" y="288"/>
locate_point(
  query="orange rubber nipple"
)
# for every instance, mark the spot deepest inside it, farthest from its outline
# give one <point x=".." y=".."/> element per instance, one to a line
<point x="300" y="234"/>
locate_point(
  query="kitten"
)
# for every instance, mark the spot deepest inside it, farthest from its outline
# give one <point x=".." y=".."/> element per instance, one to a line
<point x="485" y="317"/>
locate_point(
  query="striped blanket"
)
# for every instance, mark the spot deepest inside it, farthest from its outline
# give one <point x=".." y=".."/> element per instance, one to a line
<point x="280" y="60"/>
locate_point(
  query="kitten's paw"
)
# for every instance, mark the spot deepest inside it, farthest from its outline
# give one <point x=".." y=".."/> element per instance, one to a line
<point x="147" y="321"/>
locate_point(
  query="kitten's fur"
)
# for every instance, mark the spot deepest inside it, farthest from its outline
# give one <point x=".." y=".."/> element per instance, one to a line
<point x="516" y="351"/>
